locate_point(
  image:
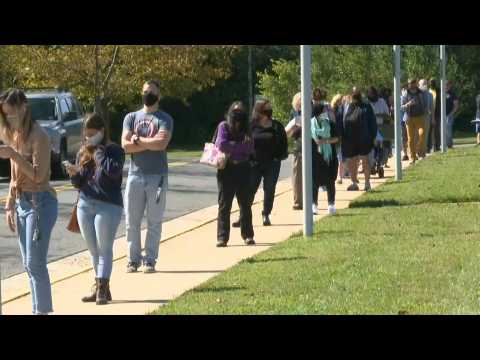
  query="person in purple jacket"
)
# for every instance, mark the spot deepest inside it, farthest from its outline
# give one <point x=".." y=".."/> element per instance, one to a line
<point x="97" y="175"/>
<point x="234" y="139"/>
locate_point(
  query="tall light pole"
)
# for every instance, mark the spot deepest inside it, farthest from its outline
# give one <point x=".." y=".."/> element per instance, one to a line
<point x="250" y="79"/>
<point x="398" y="121"/>
<point x="306" y="71"/>
<point x="443" y="122"/>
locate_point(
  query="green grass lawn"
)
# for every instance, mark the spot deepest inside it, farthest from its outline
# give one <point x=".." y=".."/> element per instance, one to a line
<point x="409" y="247"/>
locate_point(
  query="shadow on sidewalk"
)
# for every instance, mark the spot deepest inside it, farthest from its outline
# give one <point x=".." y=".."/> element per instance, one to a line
<point x="257" y="244"/>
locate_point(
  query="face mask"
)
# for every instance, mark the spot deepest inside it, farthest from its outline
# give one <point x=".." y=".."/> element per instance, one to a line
<point x="268" y="113"/>
<point x="94" y="140"/>
<point x="150" y="99"/>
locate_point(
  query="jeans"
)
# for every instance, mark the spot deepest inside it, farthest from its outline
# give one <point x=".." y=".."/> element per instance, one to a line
<point x="450" y="122"/>
<point x="234" y="180"/>
<point x="98" y="221"/>
<point x="34" y="250"/>
<point x="150" y="192"/>
<point x="270" y="173"/>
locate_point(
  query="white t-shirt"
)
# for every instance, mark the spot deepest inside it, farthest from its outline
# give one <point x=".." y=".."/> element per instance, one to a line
<point x="380" y="107"/>
<point x="297" y="120"/>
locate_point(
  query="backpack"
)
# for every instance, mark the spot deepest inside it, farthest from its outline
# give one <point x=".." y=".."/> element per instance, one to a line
<point x="419" y="108"/>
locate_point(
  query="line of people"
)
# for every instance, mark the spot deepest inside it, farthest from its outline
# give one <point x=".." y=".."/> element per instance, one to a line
<point x="343" y="133"/>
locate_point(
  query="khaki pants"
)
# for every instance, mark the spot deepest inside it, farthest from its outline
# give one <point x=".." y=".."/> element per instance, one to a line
<point x="297" y="180"/>
<point x="416" y="127"/>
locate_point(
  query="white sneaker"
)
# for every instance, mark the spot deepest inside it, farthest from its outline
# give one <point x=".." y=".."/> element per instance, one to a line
<point x="315" y="209"/>
<point x="332" y="210"/>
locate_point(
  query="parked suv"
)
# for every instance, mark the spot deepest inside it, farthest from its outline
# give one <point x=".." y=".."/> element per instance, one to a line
<point x="61" y="115"/>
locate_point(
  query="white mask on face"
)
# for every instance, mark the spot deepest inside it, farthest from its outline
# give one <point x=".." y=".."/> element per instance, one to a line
<point x="95" y="139"/>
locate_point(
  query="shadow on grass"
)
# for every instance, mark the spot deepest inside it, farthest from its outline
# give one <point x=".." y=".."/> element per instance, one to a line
<point x="391" y="203"/>
<point x="374" y="204"/>
<point x="117" y="302"/>
<point x="191" y="272"/>
<point x="293" y="258"/>
<point x="218" y="289"/>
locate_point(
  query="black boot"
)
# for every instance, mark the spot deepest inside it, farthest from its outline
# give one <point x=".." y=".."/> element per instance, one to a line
<point x="102" y="292"/>
<point x="93" y="296"/>
<point x="266" y="220"/>
<point x="236" y="224"/>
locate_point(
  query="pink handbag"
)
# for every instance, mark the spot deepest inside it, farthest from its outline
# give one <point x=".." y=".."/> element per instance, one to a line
<point x="212" y="156"/>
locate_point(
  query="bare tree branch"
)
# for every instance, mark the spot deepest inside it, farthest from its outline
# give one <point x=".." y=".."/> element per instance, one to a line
<point x="112" y="65"/>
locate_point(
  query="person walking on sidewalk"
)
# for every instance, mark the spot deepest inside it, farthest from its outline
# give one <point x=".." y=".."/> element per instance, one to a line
<point x="324" y="155"/>
<point x="98" y="175"/>
<point x="430" y="112"/>
<point x="336" y="105"/>
<point x="452" y="105"/>
<point x="359" y="131"/>
<point x="294" y="131"/>
<point x="146" y="135"/>
<point x="415" y="107"/>
<point x="31" y="206"/>
<point x="271" y="148"/>
<point x="477" y="117"/>
<point x="433" y="142"/>
<point x="235" y="140"/>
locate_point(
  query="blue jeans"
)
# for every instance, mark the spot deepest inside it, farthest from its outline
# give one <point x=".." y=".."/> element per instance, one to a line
<point x="145" y="192"/>
<point x="450" y="122"/>
<point x="35" y="249"/>
<point x="98" y="221"/>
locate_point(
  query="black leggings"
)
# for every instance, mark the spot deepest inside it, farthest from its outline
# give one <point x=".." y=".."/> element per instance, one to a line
<point x="331" y="191"/>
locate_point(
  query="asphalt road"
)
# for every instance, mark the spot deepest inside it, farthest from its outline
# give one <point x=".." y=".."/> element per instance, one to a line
<point x="192" y="187"/>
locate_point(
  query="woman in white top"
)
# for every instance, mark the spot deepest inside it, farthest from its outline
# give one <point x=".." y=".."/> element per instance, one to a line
<point x="379" y="105"/>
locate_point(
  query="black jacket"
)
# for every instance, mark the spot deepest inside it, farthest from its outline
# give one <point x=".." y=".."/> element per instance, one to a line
<point x="280" y="151"/>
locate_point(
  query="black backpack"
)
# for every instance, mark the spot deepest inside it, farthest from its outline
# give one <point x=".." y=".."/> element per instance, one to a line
<point x="418" y="109"/>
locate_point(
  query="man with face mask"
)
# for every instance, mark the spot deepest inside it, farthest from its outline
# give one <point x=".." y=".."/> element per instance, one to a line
<point x="415" y="107"/>
<point x="146" y="135"/>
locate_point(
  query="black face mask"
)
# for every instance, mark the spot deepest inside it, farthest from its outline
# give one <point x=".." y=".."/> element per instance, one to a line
<point x="149" y="99"/>
<point x="268" y="113"/>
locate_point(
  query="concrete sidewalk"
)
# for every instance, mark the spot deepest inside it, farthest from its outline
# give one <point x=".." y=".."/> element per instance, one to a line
<point x="188" y="257"/>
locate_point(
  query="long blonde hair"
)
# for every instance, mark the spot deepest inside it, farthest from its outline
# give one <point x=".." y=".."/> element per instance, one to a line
<point x="15" y="98"/>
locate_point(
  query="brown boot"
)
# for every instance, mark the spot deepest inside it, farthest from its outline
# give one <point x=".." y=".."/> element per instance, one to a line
<point x="102" y="292"/>
<point x="93" y="296"/>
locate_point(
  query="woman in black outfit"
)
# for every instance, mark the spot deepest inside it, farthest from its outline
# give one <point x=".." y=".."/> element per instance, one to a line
<point x="270" y="141"/>
<point x="324" y="155"/>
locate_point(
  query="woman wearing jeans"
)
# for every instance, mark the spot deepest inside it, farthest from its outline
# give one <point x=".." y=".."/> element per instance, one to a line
<point x="234" y="139"/>
<point x="98" y="176"/>
<point x="31" y="206"/>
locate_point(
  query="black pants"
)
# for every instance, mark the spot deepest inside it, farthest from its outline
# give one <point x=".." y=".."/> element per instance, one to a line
<point x="234" y="180"/>
<point x="331" y="191"/>
<point x="269" y="172"/>
<point x="434" y="136"/>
